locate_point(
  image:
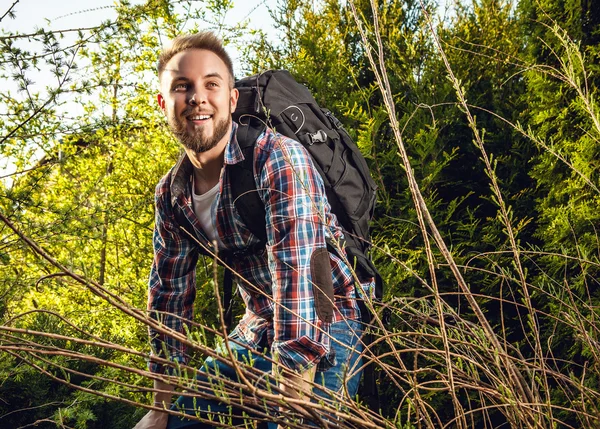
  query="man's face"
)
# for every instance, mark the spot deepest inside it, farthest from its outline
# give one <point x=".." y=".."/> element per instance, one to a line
<point x="196" y="98"/>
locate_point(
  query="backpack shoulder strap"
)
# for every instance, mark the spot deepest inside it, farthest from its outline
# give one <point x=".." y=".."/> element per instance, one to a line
<point x="243" y="187"/>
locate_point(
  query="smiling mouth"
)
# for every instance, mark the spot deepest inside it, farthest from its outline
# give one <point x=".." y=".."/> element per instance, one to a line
<point x="199" y="117"/>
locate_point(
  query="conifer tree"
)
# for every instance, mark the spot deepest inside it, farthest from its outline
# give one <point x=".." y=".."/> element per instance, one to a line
<point x="561" y="38"/>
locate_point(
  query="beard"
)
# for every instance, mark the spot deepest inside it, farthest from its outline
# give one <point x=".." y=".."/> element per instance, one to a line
<point x="197" y="141"/>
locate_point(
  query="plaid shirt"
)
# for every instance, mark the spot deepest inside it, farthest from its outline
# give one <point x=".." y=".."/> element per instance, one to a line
<point x="279" y="295"/>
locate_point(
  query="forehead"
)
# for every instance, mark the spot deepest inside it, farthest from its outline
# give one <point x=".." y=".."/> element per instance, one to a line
<point x="194" y="63"/>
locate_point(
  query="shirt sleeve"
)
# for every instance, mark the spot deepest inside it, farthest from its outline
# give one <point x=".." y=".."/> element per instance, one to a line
<point x="172" y="285"/>
<point x="296" y="206"/>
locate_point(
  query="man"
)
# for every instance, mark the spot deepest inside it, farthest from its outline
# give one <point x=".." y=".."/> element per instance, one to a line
<point x="299" y="298"/>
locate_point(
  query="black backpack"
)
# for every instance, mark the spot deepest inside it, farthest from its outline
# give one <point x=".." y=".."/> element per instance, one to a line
<point x="273" y="98"/>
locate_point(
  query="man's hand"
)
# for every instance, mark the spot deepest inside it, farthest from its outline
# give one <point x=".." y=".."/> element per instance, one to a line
<point x="301" y="385"/>
<point x="157" y="419"/>
<point x="153" y="420"/>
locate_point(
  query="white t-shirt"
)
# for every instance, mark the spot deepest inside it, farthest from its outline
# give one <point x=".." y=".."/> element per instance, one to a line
<point x="202" y="205"/>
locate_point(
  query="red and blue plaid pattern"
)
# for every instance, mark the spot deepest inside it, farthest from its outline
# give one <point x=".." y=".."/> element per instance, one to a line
<point x="277" y="287"/>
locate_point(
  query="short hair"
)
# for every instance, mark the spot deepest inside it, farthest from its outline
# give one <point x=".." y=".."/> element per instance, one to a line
<point x="206" y="40"/>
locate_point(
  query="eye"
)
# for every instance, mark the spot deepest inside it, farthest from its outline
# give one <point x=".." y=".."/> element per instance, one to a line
<point x="180" y="87"/>
<point x="212" y="85"/>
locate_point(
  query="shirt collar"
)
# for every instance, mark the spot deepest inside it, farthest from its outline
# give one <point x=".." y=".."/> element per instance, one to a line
<point x="183" y="170"/>
<point x="233" y="152"/>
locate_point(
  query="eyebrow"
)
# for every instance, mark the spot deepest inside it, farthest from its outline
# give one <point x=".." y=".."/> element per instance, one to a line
<point x="214" y="74"/>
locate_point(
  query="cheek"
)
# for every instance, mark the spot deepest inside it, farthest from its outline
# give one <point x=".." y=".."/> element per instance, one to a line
<point x="173" y="110"/>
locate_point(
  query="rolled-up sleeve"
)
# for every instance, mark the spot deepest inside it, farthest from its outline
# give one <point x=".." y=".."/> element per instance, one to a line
<point x="172" y="285"/>
<point x="295" y="203"/>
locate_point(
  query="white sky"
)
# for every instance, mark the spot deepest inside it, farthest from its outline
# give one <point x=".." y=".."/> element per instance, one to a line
<point x="68" y="13"/>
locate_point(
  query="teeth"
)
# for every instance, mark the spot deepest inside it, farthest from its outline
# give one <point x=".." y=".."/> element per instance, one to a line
<point x="199" y="117"/>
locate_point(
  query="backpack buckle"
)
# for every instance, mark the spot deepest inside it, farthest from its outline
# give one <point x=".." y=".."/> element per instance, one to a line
<point x="318" y="137"/>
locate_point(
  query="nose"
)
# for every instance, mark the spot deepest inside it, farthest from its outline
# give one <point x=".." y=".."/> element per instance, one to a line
<point x="197" y="98"/>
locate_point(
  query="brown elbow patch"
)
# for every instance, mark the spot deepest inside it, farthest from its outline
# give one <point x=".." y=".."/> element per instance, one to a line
<point x="320" y="270"/>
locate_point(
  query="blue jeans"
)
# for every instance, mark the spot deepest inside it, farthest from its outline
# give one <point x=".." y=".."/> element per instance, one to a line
<point x="348" y="357"/>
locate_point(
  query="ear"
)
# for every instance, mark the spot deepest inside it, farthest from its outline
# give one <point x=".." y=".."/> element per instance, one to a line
<point x="233" y="96"/>
<point x="161" y="102"/>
